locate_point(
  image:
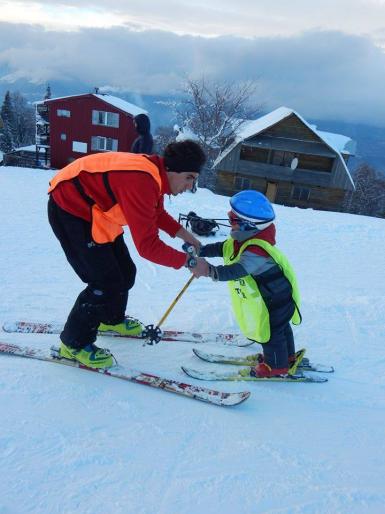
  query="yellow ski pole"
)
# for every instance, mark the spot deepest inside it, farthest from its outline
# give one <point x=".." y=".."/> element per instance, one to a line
<point x="154" y="334"/>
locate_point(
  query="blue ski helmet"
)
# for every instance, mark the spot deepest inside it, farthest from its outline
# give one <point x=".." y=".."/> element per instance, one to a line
<point x="252" y="207"/>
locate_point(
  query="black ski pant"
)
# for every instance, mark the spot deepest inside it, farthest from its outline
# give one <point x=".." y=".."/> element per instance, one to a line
<point x="107" y="269"/>
<point x="280" y="346"/>
<point x="276" y="291"/>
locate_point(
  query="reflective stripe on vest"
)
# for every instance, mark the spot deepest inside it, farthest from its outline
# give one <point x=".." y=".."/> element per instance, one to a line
<point x="107" y="225"/>
<point x="248" y="305"/>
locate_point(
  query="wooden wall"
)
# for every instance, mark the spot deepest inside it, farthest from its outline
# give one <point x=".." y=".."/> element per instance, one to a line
<point x="320" y="181"/>
<point x="292" y="128"/>
<point x="321" y="198"/>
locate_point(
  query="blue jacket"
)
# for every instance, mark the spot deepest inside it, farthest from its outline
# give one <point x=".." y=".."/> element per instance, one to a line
<point x="144" y="142"/>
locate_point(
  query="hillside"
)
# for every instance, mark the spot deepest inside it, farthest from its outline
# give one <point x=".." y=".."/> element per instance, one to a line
<point x="75" y="442"/>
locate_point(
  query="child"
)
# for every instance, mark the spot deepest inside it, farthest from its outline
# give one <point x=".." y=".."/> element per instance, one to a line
<point x="262" y="283"/>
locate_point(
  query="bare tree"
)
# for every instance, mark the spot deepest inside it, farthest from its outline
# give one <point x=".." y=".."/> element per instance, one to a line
<point x="162" y="137"/>
<point x="212" y="113"/>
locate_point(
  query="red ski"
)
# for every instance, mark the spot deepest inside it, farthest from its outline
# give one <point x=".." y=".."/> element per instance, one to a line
<point x="172" y="386"/>
<point x="34" y="327"/>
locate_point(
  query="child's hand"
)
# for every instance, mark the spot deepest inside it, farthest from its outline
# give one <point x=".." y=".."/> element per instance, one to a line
<point x="201" y="269"/>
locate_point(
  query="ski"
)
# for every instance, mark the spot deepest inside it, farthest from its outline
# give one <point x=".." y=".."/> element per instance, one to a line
<point x="234" y="376"/>
<point x="197" y="393"/>
<point x="252" y="360"/>
<point x="33" y="327"/>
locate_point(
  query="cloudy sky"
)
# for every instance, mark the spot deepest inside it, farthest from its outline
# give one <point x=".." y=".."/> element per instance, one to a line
<point x="325" y="59"/>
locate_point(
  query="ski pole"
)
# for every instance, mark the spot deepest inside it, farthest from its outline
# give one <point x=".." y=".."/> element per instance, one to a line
<point x="154" y="334"/>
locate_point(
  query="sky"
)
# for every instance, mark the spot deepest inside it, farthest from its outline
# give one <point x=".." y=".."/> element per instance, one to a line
<point x="324" y="59"/>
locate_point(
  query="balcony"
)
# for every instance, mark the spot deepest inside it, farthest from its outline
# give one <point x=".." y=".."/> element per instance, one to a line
<point x="42" y="140"/>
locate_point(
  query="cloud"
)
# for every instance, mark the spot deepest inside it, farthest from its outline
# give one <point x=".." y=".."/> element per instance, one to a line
<point x="322" y="74"/>
<point x="245" y="18"/>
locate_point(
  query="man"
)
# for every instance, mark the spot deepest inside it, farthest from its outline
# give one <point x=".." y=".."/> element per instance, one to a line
<point x="144" y="142"/>
<point x="90" y="201"/>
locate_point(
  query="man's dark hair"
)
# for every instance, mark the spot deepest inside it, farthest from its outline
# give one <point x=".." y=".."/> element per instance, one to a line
<point x="184" y="156"/>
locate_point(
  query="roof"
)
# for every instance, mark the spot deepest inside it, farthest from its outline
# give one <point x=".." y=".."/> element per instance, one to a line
<point x="121" y="104"/>
<point x="117" y="102"/>
<point x="251" y="128"/>
<point x="344" y="144"/>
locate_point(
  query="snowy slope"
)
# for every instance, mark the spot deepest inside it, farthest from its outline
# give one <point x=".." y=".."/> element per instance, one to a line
<point x="72" y="442"/>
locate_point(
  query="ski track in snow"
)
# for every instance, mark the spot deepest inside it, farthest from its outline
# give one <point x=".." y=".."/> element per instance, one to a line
<point x="75" y="442"/>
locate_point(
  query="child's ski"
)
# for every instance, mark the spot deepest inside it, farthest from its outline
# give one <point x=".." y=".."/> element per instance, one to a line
<point x="252" y="360"/>
<point x="33" y="327"/>
<point x="197" y="393"/>
<point x="241" y="375"/>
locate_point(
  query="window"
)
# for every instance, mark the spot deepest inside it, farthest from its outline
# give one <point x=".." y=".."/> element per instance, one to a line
<point x="109" y="119"/>
<point x="315" y="163"/>
<point x="63" y="137"/>
<point x="281" y="158"/>
<point x="241" y="183"/>
<point x="104" y="143"/>
<point x="249" y="153"/>
<point x="78" y="146"/>
<point x="62" y="113"/>
<point x="300" y="193"/>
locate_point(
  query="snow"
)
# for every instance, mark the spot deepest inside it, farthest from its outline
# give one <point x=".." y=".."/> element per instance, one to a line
<point x="121" y="104"/>
<point x="343" y="144"/>
<point x="29" y="148"/>
<point x="75" y="442"/>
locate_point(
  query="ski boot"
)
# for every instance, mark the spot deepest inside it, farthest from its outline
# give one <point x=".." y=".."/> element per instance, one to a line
<point x="295" y="361"/>
<point x="90" y="356"/>
<point x="263" y="370"/>
<point x="129" y="327"/>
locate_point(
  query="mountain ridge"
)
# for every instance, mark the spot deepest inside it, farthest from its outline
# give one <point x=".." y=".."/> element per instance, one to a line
<point x="370" y="139"/>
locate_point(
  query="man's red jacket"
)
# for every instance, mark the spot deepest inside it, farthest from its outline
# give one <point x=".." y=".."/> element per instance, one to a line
<point x="137" y="193"/>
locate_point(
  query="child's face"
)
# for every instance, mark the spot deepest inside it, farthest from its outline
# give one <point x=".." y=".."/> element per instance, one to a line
<point x="240" y="224"/>
<point x="234" y="221"/>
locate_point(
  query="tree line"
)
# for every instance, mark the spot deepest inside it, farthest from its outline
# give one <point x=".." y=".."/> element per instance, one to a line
<point x="17" y="122"/>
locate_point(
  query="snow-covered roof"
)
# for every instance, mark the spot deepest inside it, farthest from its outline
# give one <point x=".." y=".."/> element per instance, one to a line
<point x="117" y="102"/>
<point x="121" y="104"/>
<point x="251" y="128"/>
<point x="343" y="143"/>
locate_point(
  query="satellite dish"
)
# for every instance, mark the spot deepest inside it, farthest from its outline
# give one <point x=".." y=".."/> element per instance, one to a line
<point x="294" y="163"/>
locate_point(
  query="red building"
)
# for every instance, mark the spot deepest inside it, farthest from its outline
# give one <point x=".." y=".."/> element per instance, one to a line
<point x="73" y="126"/>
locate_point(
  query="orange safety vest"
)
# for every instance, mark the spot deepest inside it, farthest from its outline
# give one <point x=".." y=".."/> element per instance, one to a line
<point x="107" y="225"/>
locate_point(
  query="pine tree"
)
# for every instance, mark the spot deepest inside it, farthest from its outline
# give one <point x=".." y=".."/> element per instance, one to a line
<point x="7" y="135"/>
<point x="24" y="120"/>
<point x="48" y="93"/>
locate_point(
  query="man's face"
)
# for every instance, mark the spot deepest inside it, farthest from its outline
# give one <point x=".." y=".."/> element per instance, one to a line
<point x="181" y="182"/>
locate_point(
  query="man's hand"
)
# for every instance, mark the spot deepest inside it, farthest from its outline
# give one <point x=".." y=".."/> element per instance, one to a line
<point x="201" y="269"/>
<point x="188" y="238"/>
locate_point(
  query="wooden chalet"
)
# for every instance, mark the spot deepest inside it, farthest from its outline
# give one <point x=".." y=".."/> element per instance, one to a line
<point x="289" y="160"/>
<point x="73" y="126"/>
